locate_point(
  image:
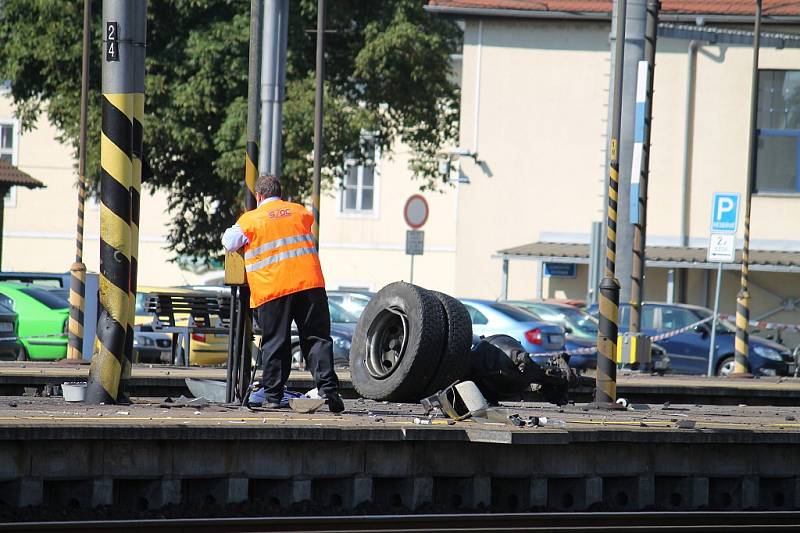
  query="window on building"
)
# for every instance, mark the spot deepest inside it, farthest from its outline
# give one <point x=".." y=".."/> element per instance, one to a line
<point x="8" y="154"/>
<point x="778" y="132"/>
<point x="357" y="194"/>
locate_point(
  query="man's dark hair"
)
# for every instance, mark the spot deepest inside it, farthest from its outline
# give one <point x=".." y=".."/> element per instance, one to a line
<point x="268" y="186"/>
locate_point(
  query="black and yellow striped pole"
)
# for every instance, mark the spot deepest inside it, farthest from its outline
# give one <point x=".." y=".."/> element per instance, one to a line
<point x="606" y="376"/>
<point x="139" y="22"/>
<point x="116" y="171"/>
<point x="77" y="285"/>
<point x="743" y="298"/>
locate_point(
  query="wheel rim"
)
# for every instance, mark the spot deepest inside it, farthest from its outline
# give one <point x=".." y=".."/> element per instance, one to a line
<point x="386" y="342"/>
<point x="726" y="368"/>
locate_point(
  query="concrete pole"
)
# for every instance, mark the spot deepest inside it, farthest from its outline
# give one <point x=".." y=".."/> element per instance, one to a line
<point x="644" y="128"/>
<point x="269" y="78"/>
<point x="318" y="114"/>
<point x="743" y="298"/>
<point x="77" y="285"/>
<point x="115" y="213"/>
<point x="635" y="25"/>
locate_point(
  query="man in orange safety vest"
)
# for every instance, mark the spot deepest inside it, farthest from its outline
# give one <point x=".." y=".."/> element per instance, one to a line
<point x="286" y="284"/>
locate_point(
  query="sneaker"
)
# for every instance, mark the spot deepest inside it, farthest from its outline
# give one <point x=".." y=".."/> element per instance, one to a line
<point x="275" y="405"/>
<point x="334" y="401"/>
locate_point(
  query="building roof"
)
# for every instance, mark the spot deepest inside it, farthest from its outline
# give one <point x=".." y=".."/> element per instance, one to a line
<point x="11" y="175"/>
<point x="734" y="8"/>
<point x="656" y="256"/>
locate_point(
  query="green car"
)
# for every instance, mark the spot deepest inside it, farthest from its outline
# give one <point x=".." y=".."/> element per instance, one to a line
<point x="43" y="316"/>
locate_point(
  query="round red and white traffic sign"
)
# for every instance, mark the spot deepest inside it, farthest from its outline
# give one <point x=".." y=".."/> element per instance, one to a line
<point x="416" y="211"/>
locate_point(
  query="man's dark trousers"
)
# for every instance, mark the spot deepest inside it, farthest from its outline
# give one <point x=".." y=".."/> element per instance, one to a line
<point x="309" y="310"/>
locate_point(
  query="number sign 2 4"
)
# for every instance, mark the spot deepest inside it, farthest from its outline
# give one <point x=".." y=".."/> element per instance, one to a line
<point x="112" y="44"/>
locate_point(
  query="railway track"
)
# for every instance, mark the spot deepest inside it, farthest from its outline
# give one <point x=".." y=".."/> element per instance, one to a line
<point x="598" y="522"/>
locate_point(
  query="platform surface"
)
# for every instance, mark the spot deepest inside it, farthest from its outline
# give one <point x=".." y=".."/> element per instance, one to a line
<point x="53" y="418"/>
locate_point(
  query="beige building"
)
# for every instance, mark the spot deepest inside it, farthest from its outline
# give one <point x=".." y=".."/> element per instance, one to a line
<point x="39" y="230"/>
<point x="534" y="108"/>
<point x="535" y="91"/>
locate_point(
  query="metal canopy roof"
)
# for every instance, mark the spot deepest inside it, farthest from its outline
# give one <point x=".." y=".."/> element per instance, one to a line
<point x="656" y="256"/>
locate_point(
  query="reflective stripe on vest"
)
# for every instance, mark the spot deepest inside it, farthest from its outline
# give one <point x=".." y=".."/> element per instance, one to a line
<point x="250" y="254"/>
<point x="297" y="252"/>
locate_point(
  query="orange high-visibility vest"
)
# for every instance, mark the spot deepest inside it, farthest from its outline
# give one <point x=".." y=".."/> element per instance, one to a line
<point x="280" y="257"/>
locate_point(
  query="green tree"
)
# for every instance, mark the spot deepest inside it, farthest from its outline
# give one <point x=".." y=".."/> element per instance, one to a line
<point x="387" y="69"/>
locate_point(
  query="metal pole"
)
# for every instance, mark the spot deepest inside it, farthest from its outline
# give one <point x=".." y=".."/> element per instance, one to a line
<point x="635" y="24"/>
<point x="606" y="381"/>
<point x="115" y="213"/>
<point x="269" y="55"/>
<point x="743" y="298"/>
<point x="644" y="128"/>
<point x="276" y="155"/>
<point x="411" y="277"/>
<point x="713" y="349"/>
<point x="318" y="103"/>
<point x="230" y="382"/>
<point x="77" y="285"/>
<point x="504" y="281"/>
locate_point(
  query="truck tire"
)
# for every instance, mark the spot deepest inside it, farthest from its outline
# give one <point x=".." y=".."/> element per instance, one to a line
<point x="454" y="364"/>
<point x="397" y="344"/>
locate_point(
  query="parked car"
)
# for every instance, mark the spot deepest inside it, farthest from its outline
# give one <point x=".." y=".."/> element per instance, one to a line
<point x="490" y="318"/>
<point x="352" y="301"/>
<point x="43" y="316"/>
<point x="688" y="351"/>
<point x="10" y="347"/>
<point x="204" y="348"/>
<point x="43" y="279"/>
<point x="580" y="328"/>
<point x="343" y="324"/>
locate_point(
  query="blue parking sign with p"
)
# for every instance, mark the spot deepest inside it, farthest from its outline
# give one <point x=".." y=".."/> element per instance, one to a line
<point x="725" y="212"/>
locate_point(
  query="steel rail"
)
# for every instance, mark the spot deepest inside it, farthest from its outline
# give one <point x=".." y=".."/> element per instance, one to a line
<point x="583" y="521"/>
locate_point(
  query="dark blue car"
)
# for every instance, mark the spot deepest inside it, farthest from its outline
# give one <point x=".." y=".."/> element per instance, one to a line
<point x="688" y="351"/>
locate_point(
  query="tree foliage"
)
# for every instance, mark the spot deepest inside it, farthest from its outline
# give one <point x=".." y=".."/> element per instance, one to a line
<point x="387" y="70"/>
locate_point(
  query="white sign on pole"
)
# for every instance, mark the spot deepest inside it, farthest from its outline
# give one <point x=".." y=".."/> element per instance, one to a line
<point x="721" y="248"/>
<point x="415" y="242"/>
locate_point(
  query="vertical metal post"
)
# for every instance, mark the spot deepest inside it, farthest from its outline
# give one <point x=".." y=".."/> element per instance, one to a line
<point x="318" y="113"/>
<point x="635" y="23"/>
<point x="671" y="285"/>
<point x="504" y="281"/>
<point x="595" y="262"/>
<point x="712" y="349"/>
<point x="411" y="276"/>
<point x="639" y="183"/>
<point x="117" y="105"/>
<point x="743" y="298"/>
<point x="606" y="381"/>
<point x="269" y="55"/>
<point x="77" y="285"/>
<point x="276" y="156"/>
